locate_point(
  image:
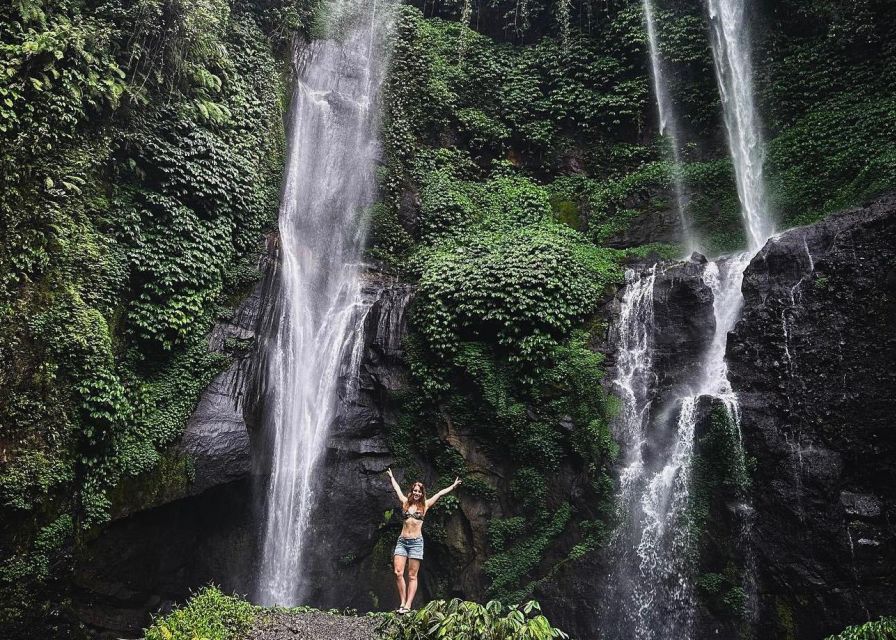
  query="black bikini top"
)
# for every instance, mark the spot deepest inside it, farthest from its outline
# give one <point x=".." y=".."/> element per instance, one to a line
<point x="416" y="515"/>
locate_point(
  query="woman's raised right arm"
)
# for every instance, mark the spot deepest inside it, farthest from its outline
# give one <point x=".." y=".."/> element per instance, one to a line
<point x="396" y="486"/>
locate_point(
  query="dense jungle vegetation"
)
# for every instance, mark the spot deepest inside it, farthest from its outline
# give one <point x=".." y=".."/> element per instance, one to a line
<point x="141" y="147"/>
<point x="140" y="162"/>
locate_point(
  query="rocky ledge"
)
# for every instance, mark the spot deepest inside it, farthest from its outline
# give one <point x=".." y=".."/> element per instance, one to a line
<point x="313" y="625"/>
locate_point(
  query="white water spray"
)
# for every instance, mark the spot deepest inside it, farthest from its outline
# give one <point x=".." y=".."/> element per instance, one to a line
<point x="668" y="122"/>
<point x="329" y="182"/>
<point x="652" y="584"/>
<point x="730" y="37"/>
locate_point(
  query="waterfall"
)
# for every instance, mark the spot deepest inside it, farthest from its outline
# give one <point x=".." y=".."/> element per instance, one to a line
<point x="730" y="38"/>
<point x="651" y="583"/>
<point x="649" y="591"/>
<point x="668" y="121"/>
<point x="315" y="338"/>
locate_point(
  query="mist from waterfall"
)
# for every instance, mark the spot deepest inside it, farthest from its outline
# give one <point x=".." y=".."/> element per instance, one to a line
<point x="668" y="118"/>
<point x="316" y="336"/>
<point x="646" y="596"/>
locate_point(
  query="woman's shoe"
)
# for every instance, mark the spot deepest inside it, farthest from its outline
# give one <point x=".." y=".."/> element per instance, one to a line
<point x="402" y="610"/>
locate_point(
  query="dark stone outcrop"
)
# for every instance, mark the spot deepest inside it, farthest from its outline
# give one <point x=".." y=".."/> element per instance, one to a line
<point x="812" y="360"/>
<point x="152" y="559"/>
<point x="684" y="325"/>
<point x="662" y="226"/>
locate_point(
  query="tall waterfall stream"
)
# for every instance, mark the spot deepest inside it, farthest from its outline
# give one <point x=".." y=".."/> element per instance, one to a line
<point x="669" y="125"/>
<point x="652" y="579"/>
<point x="317" y="336"/>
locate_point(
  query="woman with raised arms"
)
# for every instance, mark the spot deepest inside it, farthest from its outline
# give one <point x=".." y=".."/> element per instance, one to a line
<point x="409" y="549"/>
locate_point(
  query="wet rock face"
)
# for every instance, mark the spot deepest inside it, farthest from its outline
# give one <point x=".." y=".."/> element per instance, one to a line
<point x="813" y="363"/>
<point x="355" y="493"/>
<point x="653" y="226"/>
<point x="684" y="325"/>
<point x="152" y="559"/>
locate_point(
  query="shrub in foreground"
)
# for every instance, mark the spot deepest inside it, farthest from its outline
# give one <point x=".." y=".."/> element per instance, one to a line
<point x="460" y="620"/>
<point x="210" y="615"/>
<point x="883" y="629"/>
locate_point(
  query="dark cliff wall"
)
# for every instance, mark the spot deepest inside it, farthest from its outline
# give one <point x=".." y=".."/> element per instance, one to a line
<point x="813" y="362"/>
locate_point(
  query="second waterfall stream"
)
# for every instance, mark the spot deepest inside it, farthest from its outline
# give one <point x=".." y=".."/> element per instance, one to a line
<point x="314" y="338"/>
<point x="653" y="572"/>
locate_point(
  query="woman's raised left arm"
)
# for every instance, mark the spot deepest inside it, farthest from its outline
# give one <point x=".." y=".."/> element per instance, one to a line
<point x="431" y="501"/>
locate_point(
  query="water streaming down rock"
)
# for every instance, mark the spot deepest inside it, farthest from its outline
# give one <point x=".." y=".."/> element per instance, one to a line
<point x="668" y="121"/>
<point x="653" y="574"/>
<point x="647" y="594"/>
<point x="320" y="310"/>
<point x="635" y="383"/>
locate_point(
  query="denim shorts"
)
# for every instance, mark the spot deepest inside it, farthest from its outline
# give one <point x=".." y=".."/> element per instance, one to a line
<point x="409" y="547"/>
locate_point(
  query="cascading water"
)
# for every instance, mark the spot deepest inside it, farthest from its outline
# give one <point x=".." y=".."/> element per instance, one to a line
<point x="730" y="38"/>
<point x="648" y="593"/>
<point x="651" y="584"/>
<point x="668" y="120"/>
<point x="320" y="310"/>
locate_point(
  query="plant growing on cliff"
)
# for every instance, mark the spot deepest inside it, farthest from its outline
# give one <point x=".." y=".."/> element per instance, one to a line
<point x="461" y="620"/>
<point x="139" y="160"/>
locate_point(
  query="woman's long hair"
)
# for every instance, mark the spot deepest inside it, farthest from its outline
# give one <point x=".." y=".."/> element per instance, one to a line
<point x="421" y="504"/>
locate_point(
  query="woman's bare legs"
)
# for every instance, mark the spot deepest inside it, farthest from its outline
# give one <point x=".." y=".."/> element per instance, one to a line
<point x="398" y="562"/>
<point x="413" y="568"/>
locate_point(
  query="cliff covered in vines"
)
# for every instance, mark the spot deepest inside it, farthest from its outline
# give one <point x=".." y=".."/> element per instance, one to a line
<point x="140" y="155"/>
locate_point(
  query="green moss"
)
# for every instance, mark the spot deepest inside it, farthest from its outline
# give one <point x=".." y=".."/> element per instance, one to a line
<point x="785" y="624"/>
<point x="567" y="212"/>
<point x="723" y="594"/>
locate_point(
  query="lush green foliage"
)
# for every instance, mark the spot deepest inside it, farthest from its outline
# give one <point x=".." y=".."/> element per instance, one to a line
<point x="514" y="278"/>
<point x="883" y="629"/>
<point x="506" y="285"/>
<point x="827" y="91"/>
<point x="460" y="620"/>
<point x="210" y="615"/>
<point x="140" y="147"/>
<point x="720" y="477"/>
